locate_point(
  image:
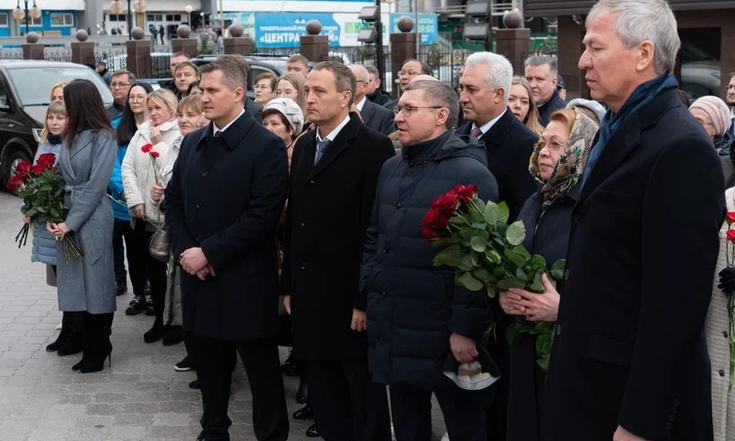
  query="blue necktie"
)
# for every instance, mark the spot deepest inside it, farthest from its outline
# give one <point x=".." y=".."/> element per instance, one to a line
<point x="321" y="146"/>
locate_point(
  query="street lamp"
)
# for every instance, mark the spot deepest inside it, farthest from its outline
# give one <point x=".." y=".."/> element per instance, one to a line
<point x="20" y="14"/>
<point x="188" y="10"/>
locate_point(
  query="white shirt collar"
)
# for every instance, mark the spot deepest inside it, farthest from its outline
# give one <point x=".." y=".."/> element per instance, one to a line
<point x="488" y="125"/>
<point x="214" y="126"/>
<point x="361" y="103"/>
<point x="333" y="134"/>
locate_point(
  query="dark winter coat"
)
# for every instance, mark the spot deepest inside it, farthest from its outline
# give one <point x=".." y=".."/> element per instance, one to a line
<point x="509" y="144"/>
<point x="329" y="209"/>
<point x="226" y="195"/>
<point x="378" y="118"/>
<point x="629" y="347"/>
<point x="553" y="104"/>
<point x="414" y="307"/>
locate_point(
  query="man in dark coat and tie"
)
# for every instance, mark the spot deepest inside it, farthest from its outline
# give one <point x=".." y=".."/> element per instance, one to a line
<point x="484" y="89"/>
<point x="334" y="172"/>
<point x="373" y="115"/>
<point x="222" y="206"/>
<point x="629" y="360"/>
<point x="542" y="75"/>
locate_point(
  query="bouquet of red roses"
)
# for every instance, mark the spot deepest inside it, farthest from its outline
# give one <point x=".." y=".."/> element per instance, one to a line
<point x="42" y="191"/>
<point x="488" y="255"/>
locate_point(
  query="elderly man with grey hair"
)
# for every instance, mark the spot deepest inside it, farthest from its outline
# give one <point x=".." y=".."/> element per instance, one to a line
<point x="418" y="320"/>
<point x="629" y="360"/>
<point x="373" y="115"/>
<point x="542" y="76"/>
<point x="484" y="88"/>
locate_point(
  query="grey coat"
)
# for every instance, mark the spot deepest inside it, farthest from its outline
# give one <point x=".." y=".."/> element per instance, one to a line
<point x="88" y="283"/>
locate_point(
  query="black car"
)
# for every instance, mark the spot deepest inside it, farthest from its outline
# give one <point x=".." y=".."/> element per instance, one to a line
<point x="25" y="86"/>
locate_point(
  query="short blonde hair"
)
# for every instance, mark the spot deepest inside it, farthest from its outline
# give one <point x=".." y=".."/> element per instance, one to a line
<point x="191" y="102"/>
<point x="56" y="108"/>
<point x="165" y="97"/>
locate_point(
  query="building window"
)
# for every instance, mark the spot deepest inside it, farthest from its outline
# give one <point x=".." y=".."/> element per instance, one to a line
<point x="173" y="17"/>
<point x="118" y="18"/>
<point x="62" y="19"/>
<point x="3" y="20"/>
<point x="32" y="22"/>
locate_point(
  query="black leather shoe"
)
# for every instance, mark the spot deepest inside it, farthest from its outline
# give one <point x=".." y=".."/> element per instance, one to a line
<point x="137" y="305"/>
<point x="303" y="393"/>
<point x="305" y="413"/>
<point x="153" y="334"/>
<point x="312" y="432"/>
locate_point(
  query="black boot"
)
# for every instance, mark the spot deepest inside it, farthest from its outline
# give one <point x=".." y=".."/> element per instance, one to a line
<point x="302" y="395"/>
<point x="85" y="324"/>
<point x="66" y="325"/>
<point x="155" y="333"/>
<point x="172" y="335"/>
<point x="75" y="343"/>
<point x="100" y="347"/>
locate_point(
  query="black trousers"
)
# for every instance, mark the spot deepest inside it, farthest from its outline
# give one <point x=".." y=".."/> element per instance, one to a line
<point x="136" y="250"/>
<point x="464" y="416"/>
<point x="347" y="405"/>
<point x="214" y="360"/>
<point x="155" y="269"/>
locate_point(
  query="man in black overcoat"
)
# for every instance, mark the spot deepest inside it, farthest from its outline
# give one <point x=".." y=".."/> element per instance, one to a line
<point x="373" y="115"/>
<point x="484" y="89"/>
<point x="629" y="360"/>
<point x="334" y="172"/>
<point x="223" y="202"/>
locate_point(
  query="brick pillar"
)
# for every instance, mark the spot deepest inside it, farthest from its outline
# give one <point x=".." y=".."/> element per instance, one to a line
<point x="514" y="44"/>
<point x="183" y="43"/>
<point x="32" y="49"/>
<point x="82" y="52"/>
<point x="313" y="46"/>
<point x="236" y="44"/>
<point x="402" y="47"/>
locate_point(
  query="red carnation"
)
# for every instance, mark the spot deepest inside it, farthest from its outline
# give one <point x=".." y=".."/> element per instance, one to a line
<point x="37" y="169"/>
<point x="731" y="235"/>
<point x="23" y="168"/>
<point x="154" y="154"/>
<point x="147" y="148"/>
<point x="46" y="160"/>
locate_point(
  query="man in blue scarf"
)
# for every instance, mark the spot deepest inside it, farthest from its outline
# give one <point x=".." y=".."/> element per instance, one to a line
<point x="629" y="360"/>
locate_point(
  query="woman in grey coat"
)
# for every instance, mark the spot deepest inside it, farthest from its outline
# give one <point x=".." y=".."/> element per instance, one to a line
<point x="87" y="283"/>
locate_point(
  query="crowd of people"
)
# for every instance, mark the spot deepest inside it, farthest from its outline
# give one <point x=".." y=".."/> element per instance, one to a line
<point x="294" y="218"/>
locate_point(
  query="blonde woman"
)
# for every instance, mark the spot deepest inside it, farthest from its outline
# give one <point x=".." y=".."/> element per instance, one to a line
<point x="55" y="94"/>
<point x="291" y="85"/>
<point x="141" y="170"/>
<point x="522" y="105"/>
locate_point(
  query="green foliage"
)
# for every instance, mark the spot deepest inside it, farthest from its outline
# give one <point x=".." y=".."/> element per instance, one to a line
<point x="43" y="197"/>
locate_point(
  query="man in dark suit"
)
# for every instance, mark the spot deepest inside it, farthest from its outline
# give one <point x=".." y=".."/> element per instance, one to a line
<point x="484" y="89"/>
<point x="375" y="92"/>
<point x="224" y="242"/>
<point x="373" y="115"/>
<point x="542" y="75"/>
<point x="334" y="172"/>
<point x="629" y="360"/>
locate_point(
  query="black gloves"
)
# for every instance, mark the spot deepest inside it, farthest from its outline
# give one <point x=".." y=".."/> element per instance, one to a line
<point x="727" y="281"/>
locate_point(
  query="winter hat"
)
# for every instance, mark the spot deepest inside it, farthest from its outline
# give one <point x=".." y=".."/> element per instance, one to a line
<point x="716" y="110"/>
<point x="289" y="109"/>
<point x="591" y="105"/>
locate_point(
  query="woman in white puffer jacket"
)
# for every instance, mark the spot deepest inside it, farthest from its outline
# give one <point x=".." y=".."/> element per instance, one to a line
<point x="141" y="170"/>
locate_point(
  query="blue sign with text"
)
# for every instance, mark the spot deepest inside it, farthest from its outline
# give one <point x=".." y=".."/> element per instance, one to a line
<point x="284" y="29"/>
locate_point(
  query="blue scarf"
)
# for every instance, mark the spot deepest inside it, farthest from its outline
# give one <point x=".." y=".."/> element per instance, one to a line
<point x="641" y="96"/>
<point x="54" y="139"/>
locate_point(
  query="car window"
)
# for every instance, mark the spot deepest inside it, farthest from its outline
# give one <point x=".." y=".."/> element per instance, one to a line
<point x="4" y="102"/>
<point x="33" y="84"/>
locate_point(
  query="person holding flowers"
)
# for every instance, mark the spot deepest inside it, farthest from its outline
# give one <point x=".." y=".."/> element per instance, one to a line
<point x="86" y="280"/>
<point x="556" y="163"/>
<point x="141" y="171"/>
<point x="69" y="340"/>
<point x="719" y="327"/>
<point x="417" y="320"/>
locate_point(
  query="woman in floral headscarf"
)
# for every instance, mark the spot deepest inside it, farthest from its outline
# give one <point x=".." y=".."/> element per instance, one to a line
<point x="557" y="163"/>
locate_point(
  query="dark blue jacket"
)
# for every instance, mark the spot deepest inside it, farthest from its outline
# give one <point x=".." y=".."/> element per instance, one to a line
<point x="545" y="110"/>
<point x="413" y="307"/>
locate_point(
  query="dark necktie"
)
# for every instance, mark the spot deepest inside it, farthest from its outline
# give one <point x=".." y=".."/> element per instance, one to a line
<point x="218" y="133"/>
<point x="476" y="134"/>
<point x="321" y="146"/>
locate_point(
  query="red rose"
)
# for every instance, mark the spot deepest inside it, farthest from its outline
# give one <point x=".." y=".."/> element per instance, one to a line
<point x="46" y="160"/>
<point x="37" y="169"/>
<point x="154" y="154"/>
<point x="429" y="234"/>
<point x="465" y="193"/>
<point x="14" y="183"/>
<point x="147" y="148"/>
<point x="23" y="168"/>
<point x="731" y="216"/>
<point x="731" y="235"/>
<point x="446" y="203"/>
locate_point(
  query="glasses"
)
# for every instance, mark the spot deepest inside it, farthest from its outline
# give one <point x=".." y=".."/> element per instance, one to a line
<point x="118" y="85"/>
<point x="408" y="110"/>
